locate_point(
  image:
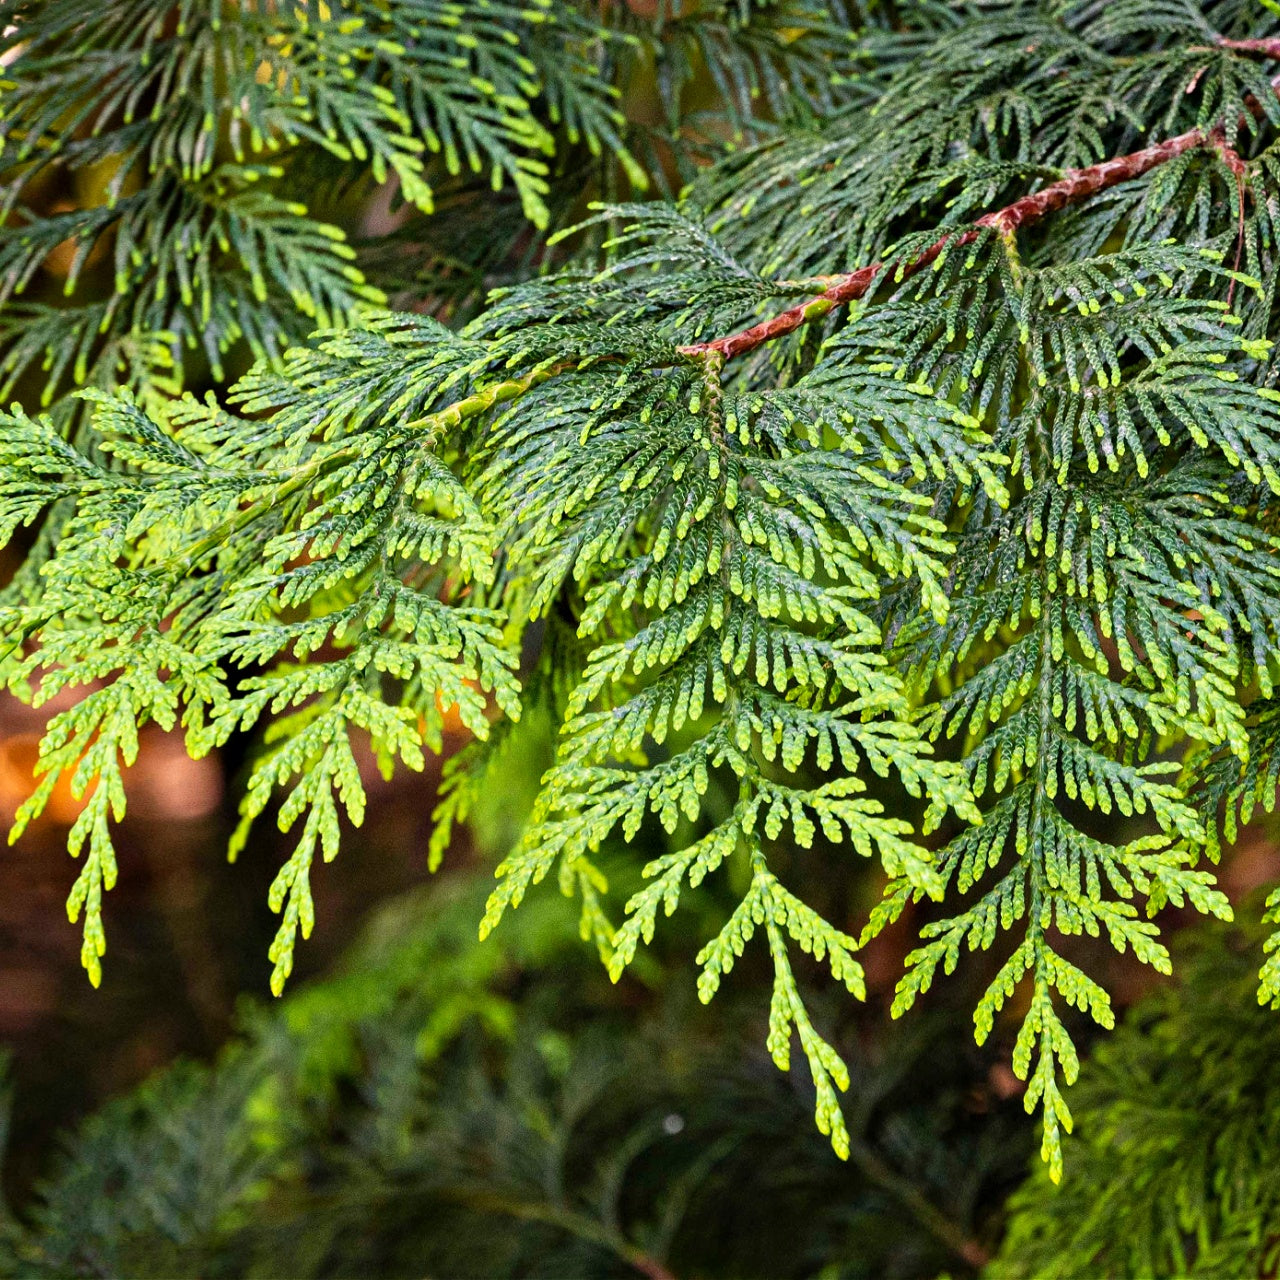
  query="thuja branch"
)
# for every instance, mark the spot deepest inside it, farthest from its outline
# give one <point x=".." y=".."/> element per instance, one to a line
<point x="1075" y="186"/>
<point x="308" y="473"/>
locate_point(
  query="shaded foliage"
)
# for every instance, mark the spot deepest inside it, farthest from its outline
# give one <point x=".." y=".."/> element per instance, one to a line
<point x="436" y="1107"/>
<point x="1178" y="1114"/>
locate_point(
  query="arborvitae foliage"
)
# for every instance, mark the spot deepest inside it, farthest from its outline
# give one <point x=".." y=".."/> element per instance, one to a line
<point x="445" y="1109"/>
<point x="205" y="123"/>
<point x="1179" y="1116"/>
<point x="987" y="518"/>
<point x="188" y="132"/>
<point x="185" y="153"/>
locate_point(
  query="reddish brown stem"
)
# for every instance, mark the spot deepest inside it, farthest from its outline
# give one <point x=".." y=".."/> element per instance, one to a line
<point x="1079" y="184"/>
<point x="1267" y="46"/>
<point x="1075" y="185"/>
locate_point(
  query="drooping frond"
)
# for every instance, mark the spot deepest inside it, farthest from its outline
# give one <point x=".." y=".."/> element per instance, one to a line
<point x="216" y="545"/>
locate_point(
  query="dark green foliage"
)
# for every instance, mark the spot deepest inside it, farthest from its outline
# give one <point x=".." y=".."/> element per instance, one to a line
<point x="978" y="542"/>
<point x="204" y="117"/>
<point x="206" y="140"/>
<point x="427" y="1113"/>
<point x="1179" y="1115"/>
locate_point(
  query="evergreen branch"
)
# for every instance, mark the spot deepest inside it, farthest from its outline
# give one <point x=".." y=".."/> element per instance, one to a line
<point x="1074" y="186"/>
<point x="1023" y="496"/>
<point x="877" y="1170"/>
<point x="567" y="1219"/>
<point x="326" y="462"/>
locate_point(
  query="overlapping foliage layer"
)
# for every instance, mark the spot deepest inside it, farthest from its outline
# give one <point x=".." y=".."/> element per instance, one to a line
<point x="191" y="166"/>
<point x="976" y="537"/>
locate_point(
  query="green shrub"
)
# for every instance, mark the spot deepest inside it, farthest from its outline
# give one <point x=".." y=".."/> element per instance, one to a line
<point x="1178" y="1115"/>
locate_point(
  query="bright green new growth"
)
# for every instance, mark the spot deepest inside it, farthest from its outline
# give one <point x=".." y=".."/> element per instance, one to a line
<point x="997" y="526"/>
<point x="349" y="542"/>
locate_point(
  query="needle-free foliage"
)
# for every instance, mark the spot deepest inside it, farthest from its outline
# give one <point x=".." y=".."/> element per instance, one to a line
<point x="906" y="490"/>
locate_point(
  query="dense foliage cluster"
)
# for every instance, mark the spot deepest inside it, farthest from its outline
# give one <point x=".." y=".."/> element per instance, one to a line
<point x="184" y="171"/>
<point x="916" y="472"/>
<point x="434" y="1105"/>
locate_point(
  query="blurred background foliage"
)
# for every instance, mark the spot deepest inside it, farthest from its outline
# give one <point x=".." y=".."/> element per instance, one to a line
<point x="437" y="1108"/>
<point x="431" y="1107"/>
<point x="1178" y="1119"/>
<point x="422" y="1104"/>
